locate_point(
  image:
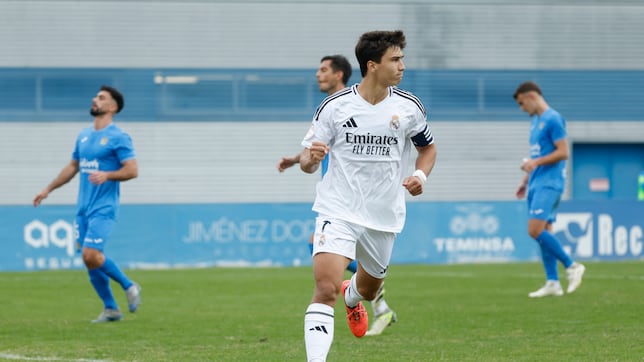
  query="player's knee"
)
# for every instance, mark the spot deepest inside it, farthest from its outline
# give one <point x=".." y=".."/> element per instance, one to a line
<point x="92" y="258"/>
<point x="534" y="232"/>
<point x="326" y="291"/>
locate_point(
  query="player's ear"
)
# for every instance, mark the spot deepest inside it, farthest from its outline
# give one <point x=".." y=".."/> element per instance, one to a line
<point x="113" y="106"/>
<point x="371" y="65"/>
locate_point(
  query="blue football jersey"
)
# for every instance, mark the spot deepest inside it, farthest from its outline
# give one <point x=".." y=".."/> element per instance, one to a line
<point x="102" y="150"/>
<point x="325" y="164"/>
<point x="545" y="130"/>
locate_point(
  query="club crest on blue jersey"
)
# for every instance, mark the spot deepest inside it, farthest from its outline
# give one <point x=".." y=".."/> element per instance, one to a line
<point x="103" y="141"/>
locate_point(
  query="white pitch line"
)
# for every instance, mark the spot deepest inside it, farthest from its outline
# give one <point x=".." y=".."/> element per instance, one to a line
<point x="10" y="356"/>
<point x="532" y="275"/>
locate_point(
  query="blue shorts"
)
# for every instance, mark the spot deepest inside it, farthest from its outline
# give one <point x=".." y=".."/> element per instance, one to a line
<point x="542" y="204"/>
<point x="94" y="231"/>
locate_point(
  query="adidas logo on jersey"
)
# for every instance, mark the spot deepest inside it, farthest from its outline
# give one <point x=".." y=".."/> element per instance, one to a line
<point x="351" y="123"/>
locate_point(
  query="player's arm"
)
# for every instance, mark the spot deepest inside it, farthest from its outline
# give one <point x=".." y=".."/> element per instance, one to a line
<point x="311" y="157"/>
<point x="560" y="153"/>
<point x="287" y="162"/>
<point x="522" y="188"/>
<point x="129" y="170"/>
<point x="66" y="174"/>
<point x="424" y="166"/>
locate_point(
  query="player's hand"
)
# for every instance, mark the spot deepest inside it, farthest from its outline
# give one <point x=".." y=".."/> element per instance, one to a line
<point x="98" y="177"/>
<point x="414" y="185"/>
<point x="286" y="162"/>
<point x="41" y="196"/>
<point x="520" y="193"/>
<point x="529" y="165"/>
<point x="318" y="151"/>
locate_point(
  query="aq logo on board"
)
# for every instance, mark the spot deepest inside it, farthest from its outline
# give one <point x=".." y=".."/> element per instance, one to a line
<point x="60" y="234"/>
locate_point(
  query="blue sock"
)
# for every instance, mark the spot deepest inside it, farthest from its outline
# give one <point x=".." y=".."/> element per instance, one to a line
<point x="547" y="240"/>
<point x="101" y="283"/>
<point x="113" y="271"/>
<point x="549" y="263"/>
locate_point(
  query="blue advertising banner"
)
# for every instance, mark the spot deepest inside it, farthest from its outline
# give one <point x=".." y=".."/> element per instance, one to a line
<point x="460" y="232"/>
<point x="610" y="230"/>
<point x="201" y="235"/>
<point x="162" y="236"/>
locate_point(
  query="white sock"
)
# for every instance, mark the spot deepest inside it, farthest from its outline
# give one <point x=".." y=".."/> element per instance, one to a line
<point x="318" y="331"/>
<point x="553" y="282"/>
<point x="351" y="295"/>
<point x="379" y="306"/>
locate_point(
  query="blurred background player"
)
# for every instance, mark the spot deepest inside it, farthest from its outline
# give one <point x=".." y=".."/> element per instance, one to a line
<point x="332" y="76"/>
<point x="368" y="132"/>
<point x="544" y="182"/>
<point x="104" y="156"/>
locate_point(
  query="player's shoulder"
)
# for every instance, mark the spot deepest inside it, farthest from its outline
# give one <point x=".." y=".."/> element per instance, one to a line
<point x="332" y="100"/>
<point x="117" y="131"/>
<point x="84" y="132"/>
<point x="407" y="97"/>
<point x="551" y="115"/>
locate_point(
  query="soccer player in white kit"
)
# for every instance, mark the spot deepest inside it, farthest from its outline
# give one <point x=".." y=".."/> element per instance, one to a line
<point x="368" y="131"/>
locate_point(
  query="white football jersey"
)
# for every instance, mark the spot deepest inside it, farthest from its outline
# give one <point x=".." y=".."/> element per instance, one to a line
<point x="370" y="148"/>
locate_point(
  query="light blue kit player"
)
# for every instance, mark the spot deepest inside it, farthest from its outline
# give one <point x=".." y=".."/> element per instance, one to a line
<point x="544" y="183"/>
<point x="104" y="156"/>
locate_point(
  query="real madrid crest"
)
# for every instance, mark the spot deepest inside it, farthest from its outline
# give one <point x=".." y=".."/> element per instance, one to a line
<point x="395" y="122"/>
<point x="321" y="240"/>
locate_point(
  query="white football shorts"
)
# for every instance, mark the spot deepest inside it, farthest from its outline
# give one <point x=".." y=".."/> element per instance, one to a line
<point x="372" y="248"/>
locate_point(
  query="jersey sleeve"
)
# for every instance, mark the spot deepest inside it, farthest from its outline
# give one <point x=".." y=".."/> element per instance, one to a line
<point x="557" y="128"/>
<point x="123" y="148"/>
<point x="420" y="132"/>
<point x="75" y="152"/>
<point x="321" y="129"/>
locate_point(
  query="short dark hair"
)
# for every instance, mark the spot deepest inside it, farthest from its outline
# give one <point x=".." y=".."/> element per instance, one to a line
<point x="116" y="95"/>
<point x="373" y="45"/>
<point x="340" y="63"/>
<point x="526" y="87"/>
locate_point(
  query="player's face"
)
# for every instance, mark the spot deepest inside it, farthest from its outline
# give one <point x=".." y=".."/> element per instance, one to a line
<point x="102" y="104"/>
<point x="527" y="102"/>
<point x="391" y="67"/>
<point x="328" y="80"/>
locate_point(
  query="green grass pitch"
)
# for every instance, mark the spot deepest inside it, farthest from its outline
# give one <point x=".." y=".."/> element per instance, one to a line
<point x="446" y="313"/>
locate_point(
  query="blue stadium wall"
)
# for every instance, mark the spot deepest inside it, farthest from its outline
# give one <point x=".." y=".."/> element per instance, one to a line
<point x="203" y="94"/>
<point x="217" y="91"/>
